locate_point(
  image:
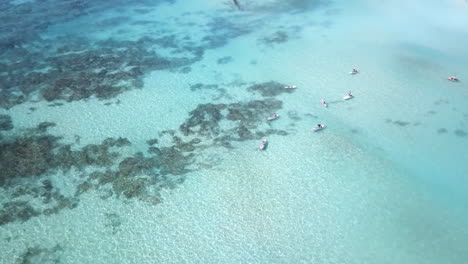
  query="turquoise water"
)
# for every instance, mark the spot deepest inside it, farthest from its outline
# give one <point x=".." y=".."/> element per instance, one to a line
<point x="184" y="90"/>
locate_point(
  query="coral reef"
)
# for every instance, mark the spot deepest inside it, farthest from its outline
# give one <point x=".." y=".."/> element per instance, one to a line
<point x="460" y="133"/>
<point x="26" y="160"/>
<point x="5" y="123"/>
<point x="204" y="121"/>
<point x="269" y="89"/>
<point x="29" y="158"/>
<point x="70" y="68"/>
<point x="17" y="211"/>
<point x="102" y="69"/>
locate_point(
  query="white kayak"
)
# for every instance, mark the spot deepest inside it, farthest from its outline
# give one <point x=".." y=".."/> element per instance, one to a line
<point x="348" y="97"/>
<point x="273" y="117"/>
<point x="263" y="145"/>
<point x="317" y="128"/>
<point x="324" y="103"/>
<point x="290" y="87"/>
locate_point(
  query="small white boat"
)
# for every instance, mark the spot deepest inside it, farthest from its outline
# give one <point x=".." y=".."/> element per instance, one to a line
<point x="263" y="145"/>
<point x="290" y="87"/>
<point x="453" y="79"/>
<point x="324" y="103"/>
<point x="318" y="127"/>
<point x="354" y="71"/>
<point x="273" y="117"/>
<point x="349" y="96"/>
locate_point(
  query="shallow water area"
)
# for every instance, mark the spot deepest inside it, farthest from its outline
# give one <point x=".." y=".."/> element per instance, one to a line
<point x="130" y="132"/>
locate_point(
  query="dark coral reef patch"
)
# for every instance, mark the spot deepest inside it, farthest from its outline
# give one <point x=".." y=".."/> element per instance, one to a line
<point x="41" y="255"/>
<point x="27" y="156"/>
<point x="80" y="69"/>
<point x="23" y="23"/>
<point x="269" y="89"/>
<point x="401" y="123"/>
<point x="244" y="121"/>
<point x="5" y="123"/>
<point x="460" y="133"/>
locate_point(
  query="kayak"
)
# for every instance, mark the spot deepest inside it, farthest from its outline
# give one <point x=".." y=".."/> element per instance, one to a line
<point x="263" y="145"/>
<point x="290" y="87"/>
<point x="273" y="117"/>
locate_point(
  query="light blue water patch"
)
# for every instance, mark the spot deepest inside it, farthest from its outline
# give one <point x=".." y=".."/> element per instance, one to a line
<point x="137" y="137"/>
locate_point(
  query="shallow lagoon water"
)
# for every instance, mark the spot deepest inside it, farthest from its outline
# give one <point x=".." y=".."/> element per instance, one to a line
<point x="383" y="183"/>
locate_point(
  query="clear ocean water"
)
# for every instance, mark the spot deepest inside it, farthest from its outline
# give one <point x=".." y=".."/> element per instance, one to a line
<point x="129" y="131"/>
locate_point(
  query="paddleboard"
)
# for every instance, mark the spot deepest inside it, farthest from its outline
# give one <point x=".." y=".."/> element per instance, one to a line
<point x="323" y="102"/>
<point x="263" y="145"/>
<point x="318" y="128"/>
<point x="273" y="117"/>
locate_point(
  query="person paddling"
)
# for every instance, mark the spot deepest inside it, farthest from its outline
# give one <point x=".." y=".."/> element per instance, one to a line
<point x="354" y="71"/>
<point x="453" y="78"/>
<point x="323" y="102"/>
